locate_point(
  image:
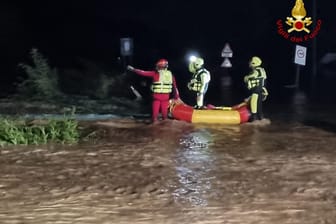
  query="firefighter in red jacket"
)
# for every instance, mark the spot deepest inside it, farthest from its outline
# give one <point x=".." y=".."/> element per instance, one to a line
<point x="163" y="85"/>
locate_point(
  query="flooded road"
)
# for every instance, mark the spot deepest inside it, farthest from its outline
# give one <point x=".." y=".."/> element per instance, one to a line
<point x="176" y="172"/>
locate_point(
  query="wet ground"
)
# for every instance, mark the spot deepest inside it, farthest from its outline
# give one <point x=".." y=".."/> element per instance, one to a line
<point x="175" y="172"/>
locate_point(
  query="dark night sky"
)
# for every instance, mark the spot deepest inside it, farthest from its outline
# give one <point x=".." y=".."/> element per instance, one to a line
<point x="64" y="30"/>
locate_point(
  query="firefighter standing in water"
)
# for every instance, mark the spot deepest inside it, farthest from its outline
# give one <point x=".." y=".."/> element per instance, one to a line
<point x="255" y="82"/>
<point x="163" y="85"/>
<point x="200" y="80"/>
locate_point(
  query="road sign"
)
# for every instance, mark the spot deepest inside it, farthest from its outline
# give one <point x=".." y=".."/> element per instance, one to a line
<point x="227" y="52"/>
<point x="126" y="46"/>
<point x="300" y="55"/>
<point x="226" y="63"/>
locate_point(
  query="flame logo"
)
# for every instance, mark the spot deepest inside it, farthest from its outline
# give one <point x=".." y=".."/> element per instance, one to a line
<point x="299" y="22"/>
<point x="298" y="11"/>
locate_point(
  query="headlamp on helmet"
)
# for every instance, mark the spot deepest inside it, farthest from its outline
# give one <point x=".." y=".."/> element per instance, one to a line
<point x="195" y="63"/>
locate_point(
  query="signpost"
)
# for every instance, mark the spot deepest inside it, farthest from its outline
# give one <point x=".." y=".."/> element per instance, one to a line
<point x="226" y="79"/>
<point x="126" y="49"/>
<point x="126" y="46"/>
<point x="300" y="55"/>
<point x="300" y="60"/>
<point x="226" y="54"/>
<point x="226" y="63"/>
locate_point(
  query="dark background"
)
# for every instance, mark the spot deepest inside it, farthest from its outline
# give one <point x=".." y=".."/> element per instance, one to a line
<point x="66" y="30"/>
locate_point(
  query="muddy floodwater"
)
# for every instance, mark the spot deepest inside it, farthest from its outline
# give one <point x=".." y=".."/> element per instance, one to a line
<point x="175" y="172"/>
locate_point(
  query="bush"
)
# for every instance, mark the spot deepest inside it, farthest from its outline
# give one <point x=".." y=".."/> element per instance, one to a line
<point x="21" y="132"/>
<point x="42" y="81"/>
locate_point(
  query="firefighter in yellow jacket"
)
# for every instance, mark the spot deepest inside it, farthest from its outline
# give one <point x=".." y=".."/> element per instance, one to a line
<point x="255" y="82"/>
<point x="200" y="80"/>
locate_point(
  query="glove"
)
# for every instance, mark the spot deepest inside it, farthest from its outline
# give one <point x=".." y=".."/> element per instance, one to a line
<point x="264" y="93"/>
<point x="178" y="101"/>
<point x="189" y="86"/>
<point x="130" y="68"/>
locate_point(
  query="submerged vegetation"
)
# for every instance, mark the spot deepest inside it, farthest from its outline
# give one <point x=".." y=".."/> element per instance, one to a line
<point x="22" y="132"/>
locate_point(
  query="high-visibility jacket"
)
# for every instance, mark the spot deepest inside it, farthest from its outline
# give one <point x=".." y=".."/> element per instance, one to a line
<point x="164" y="84"/>
<point x="256" y="78"/>
<point x="163" y="81"/>
<point x="199" y="79"/>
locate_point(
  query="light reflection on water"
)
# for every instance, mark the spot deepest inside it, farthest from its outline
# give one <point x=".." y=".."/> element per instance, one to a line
<point x="194" y="162"/>
<point x="197" y="159"/>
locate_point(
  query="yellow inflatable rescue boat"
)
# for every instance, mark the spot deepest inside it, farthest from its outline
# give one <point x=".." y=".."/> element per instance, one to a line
<point x="213" y="115"/>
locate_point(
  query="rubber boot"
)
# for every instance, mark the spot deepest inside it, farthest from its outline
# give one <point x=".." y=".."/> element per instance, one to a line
<point x="253" y="117"/>
<point x="260" y="116"/>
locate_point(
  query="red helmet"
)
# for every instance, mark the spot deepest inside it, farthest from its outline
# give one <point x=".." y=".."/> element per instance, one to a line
<point x="161" y="64"/>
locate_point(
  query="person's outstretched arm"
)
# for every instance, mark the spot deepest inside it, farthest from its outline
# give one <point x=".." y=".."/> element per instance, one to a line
<point x="140" y="72"/>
